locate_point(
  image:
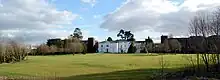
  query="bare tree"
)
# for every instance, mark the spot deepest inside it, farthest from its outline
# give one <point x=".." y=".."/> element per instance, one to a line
<point x="203" y="24"/>
<point x="204" y="29"/>
<point x="162" y="64"/>
<point x="194" y="26"/>
<point x="194" y="30"/>
<point x="200" y="26"/>
<point x="2" y="50"/>
<point x="215" y="22"/>
<point x="191" y="60"/>
<point x="170" y="35"/>
<point x="12" y="51"/>
<point x="215" y="29"/>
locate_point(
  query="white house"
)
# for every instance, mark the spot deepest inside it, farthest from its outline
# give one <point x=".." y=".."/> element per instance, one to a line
<point x="118" y="46"/>
<point x="113" y="46"/>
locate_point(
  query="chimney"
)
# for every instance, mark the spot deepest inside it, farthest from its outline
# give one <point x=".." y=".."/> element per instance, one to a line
<point x="163" y="38"/>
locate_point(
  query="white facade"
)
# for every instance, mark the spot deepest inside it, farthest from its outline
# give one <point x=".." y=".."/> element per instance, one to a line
<point x="114" y="46"/>
<point x="139" y="47"/>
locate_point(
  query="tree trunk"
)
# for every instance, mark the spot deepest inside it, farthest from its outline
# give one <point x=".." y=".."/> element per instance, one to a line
<point x="205" y="60"/>
<point x="218" y="60"/>
<point x="198" y="62"/>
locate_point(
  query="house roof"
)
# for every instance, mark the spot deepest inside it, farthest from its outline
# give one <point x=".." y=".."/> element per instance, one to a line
<point x="116" y="41"/>
<point x="139" y="41"/>
<point x="109" y="41"/>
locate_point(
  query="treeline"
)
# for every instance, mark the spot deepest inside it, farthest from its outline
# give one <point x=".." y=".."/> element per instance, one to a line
<point x="12" y="51"/>
<point x="59" y="47"/>
<point x="71" y="45"/>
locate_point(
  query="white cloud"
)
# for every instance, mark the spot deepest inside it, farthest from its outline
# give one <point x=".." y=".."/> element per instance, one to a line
<point x="87" y="34"/>
<point x="91" y="2"/>
<point x="33" y="36"/>
<point x="155" y="16"/>
<point x="32" y="20"/>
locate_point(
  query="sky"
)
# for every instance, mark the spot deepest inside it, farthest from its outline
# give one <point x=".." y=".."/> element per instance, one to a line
<point x="35" y="21"/>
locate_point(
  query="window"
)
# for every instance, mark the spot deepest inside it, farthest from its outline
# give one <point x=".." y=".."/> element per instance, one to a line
<point x="124" y="45"/>
<point x="107" y="46"/>
<point x="107" y="50"/>
<point x="101" y="45"/>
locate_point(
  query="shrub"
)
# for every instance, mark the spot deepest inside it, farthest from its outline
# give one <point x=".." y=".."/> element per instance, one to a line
<point x="12" y="52"/>
<point x="43" y="49"/>
<point x="70" y="46"/>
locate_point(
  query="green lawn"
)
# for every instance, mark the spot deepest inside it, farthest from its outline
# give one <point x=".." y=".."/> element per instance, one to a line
<point x="92" y="66"/>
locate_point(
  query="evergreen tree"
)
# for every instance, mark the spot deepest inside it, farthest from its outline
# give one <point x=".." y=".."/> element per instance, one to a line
<point x="109" y="39"/>
<point x="132" y="48"/>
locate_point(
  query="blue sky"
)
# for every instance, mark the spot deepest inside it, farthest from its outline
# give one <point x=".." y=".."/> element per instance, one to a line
<point x="90" y="16"/>
<point x="35" y="21"/>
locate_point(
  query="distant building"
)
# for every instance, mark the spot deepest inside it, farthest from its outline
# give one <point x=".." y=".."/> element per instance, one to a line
<point x="183" y="41"/>
<point x="113" y="46"/>
<point x="163" y="38"/>
<point x="192" y="40"/>
<point x="118" y="46"/>
<point x="92" y="45"/>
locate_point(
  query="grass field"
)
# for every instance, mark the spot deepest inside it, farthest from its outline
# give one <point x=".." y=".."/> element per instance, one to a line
<point x="92" y="66"/>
